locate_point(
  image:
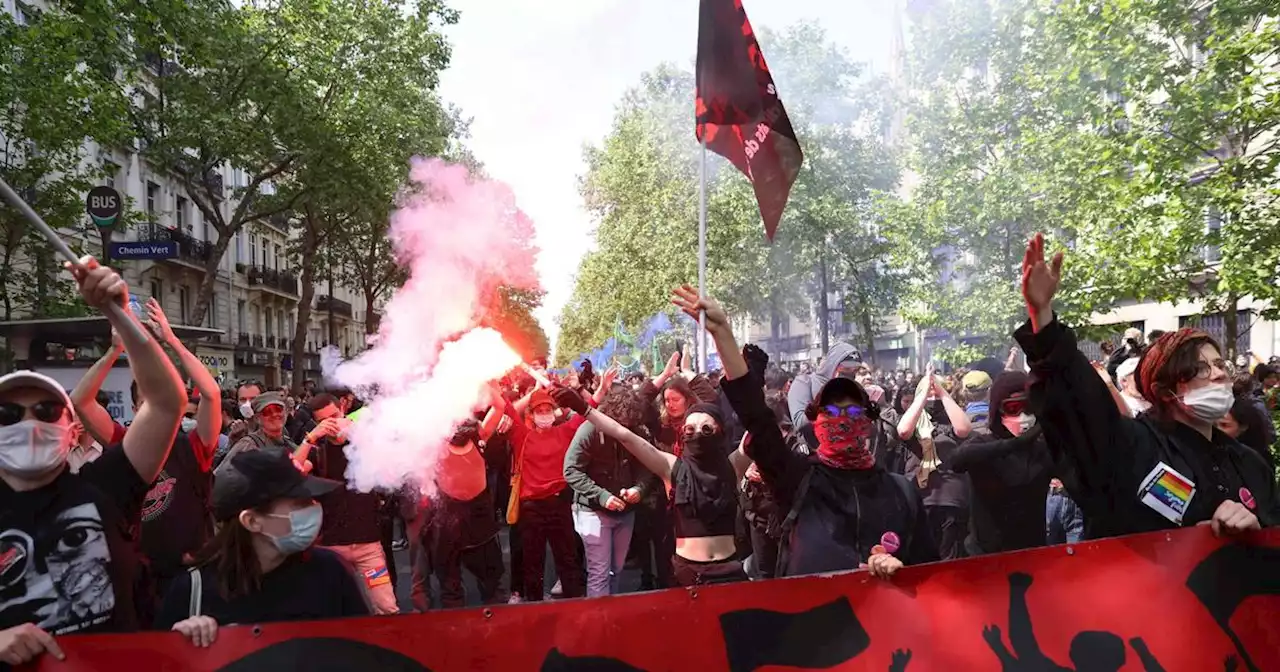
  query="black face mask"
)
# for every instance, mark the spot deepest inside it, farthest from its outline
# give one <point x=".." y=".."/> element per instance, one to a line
<point x="702" y="446"/>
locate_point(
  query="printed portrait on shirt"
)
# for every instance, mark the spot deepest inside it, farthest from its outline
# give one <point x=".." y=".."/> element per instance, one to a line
<point x="57" y="576"/>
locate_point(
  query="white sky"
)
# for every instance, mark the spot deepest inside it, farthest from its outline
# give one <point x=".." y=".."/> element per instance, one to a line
<point x="541" y="78"/>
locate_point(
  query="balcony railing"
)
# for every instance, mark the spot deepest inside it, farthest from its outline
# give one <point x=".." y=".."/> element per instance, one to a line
<point x="271" y="342"/>
<point x="242" y="340"/>
<point x="258" y="341"/>
<point x="324" y="302"/>
<point x="190" y="249"/>
<point x="280" y="281"/>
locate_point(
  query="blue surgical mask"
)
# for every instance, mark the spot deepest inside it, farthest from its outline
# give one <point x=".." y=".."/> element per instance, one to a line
<point x="304" y="527"/>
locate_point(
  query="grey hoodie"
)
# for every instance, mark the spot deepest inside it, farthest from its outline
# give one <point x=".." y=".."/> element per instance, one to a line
<point x="806" y="386"/>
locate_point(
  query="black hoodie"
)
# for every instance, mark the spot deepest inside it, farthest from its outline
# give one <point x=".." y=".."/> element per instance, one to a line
<point x="1008" y="478"/>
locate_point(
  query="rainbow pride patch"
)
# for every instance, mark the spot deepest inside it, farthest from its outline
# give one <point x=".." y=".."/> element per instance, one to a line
<point x="1167" y="492"/>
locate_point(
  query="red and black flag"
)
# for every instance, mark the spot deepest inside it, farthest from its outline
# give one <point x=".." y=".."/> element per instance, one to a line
<point x="739" y="114"/>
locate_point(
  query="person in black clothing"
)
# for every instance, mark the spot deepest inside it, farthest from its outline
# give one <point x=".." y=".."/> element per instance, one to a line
<point x="703" y="486"/>
<point x="351" y="519"/>
<point x="261" y="567"/>
<point x="1130" y="473"/>
<point x="69" y="541"/>
<point x="1009" y="470"/>
<point x="1247" y="424"/>
<point x="843" y="511"/>
<point x="763" y="519"/>
<point x="930" y="428"/>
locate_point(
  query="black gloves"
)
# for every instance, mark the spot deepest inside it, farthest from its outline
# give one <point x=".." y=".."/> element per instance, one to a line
<point x="757" y="361"/>
<point x="570" y="399"/>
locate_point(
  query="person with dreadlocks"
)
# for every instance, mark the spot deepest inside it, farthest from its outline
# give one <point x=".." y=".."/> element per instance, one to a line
<point x="843" y="511"/>
<point x="1168" y="468"/>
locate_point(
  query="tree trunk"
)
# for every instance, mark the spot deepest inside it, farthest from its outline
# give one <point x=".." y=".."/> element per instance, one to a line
<point x="370" y="325"/>
<point x="1230" y="325"/>
<point x="205" y="295"/>
<point x="824" y="313"/>
<point x="306" y="294"/>
<point x="868" y="330"/>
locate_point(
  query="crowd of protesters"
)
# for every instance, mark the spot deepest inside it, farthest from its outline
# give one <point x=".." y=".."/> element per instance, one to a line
<point x="217" y="507"/>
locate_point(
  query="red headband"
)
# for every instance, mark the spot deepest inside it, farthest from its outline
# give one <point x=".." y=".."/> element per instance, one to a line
<point x="1157" y="355"/>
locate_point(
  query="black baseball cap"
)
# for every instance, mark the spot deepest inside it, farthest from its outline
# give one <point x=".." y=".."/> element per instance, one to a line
<point x="258" y="477"/>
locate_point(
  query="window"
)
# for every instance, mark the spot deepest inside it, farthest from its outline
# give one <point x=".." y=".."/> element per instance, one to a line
<point x="153" y="200"/>
<point x="280" y="323"/>
<point x="240" y="317"/>
<point x="254" y="323"/>
<point x="156" y="287"/>
<point x="112" y="176"/>
<point x="211" y="315"/>
<point x="180" y="215"/>
<point x="253" y="250"/>
<point x="269" y="323"/>
<point x="184" y="305"/>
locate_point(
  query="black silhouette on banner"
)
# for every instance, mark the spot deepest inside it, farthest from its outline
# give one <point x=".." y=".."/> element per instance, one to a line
<point x="1227" y="577"/>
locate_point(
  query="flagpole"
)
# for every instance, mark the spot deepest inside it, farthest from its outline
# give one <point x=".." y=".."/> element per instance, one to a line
<point x="703" y="354"/>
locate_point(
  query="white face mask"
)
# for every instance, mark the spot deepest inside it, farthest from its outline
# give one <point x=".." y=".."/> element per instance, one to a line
<point x="1018" y="424"/>
<point x="188" y="425"/>
<point x="246" y="410"/>
<point x="32" y="448"/>
<point x="1209" y="403"/>
<point x="544" y="420"/>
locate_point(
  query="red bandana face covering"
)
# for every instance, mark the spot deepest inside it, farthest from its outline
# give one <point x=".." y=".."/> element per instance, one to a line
<point x="844" y="442"/>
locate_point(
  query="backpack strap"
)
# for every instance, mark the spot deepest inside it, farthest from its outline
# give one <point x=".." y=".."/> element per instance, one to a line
<point x="197" y="592"/>
<point x="789" y="523"/>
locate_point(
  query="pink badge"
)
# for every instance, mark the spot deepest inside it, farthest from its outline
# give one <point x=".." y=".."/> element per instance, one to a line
<point x="1246" y="498"/>
<point x="891" y="542"/>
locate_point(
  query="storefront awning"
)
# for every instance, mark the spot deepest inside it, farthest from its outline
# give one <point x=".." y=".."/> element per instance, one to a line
<point x="78" y="329"/>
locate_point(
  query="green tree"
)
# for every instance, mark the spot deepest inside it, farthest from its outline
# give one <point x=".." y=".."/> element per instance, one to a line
<point x="267" y="87"/>
<point x="1195" y="89"/>
<point x="49" y="107"/>
<point x="642" y="188"/>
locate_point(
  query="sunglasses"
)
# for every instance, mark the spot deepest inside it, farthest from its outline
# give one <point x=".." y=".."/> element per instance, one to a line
<point x="272" y="411"/>
<point x="1013" y="406"/>
<point x="691" y="431"/>
<point x="847" y="411"/>
<point x="45" y="411"/>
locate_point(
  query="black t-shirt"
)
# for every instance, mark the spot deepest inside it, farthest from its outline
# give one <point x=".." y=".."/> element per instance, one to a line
<point x="175" y="513"/>
<point x="68" y="551"/>
<point x="350" y="517"/>
<point x="312" y="585"/>
<point x="945" y="487"/>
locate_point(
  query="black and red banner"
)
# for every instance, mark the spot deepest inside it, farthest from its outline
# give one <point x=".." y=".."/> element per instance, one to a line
<point x="739" y="114"/>
<point x="1169" y="601"/>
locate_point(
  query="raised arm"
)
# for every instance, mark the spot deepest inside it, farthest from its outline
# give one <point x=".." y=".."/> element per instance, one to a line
<point x="960" y="424"/>
<point x="980" y="450"/>
<point x="766" y="447"/>
<point x="673" y="367"/>
<point x="654" y="460"/>
<point x="155" y="424"/>
<point x="911" y="416"/>
<point x="209" y="410"/>
<point x="84" y="397"/>
<point x="606" y="382"/>
<point x="1080" y="420"/>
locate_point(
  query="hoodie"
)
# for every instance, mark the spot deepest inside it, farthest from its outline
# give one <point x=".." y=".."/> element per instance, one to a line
<point x="805" y="387"/>
<point x="1008" y="478"/>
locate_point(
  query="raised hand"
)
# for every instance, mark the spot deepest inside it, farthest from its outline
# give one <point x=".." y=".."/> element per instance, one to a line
<point x="673" y="365"/>
<point x="98" y="284"/>
<point x="159" y="322"/>
<point x="1039" y="282"/>
<point x="686" y="298"/>
<point x="606" y="380"/>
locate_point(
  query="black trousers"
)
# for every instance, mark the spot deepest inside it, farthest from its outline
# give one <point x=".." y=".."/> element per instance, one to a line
<point x="654" y="543"/>
<point x="695" y="573"/>
<point x="950" y="525"/>
<point x="483" y="561"/>
<point x="550" y="521"/>
<point x="764" y="550"/>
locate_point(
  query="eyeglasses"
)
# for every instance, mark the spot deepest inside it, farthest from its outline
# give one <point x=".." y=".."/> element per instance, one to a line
<point x="691" y="431"/>
<point x="45" y="411"/>
<point x="1014" y="406"/>
<point x="835" y="411"/>
<point x="1204" y="370"/>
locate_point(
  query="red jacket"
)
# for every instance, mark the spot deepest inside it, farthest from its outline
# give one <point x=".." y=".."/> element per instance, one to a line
<point x="539" y="455"/>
